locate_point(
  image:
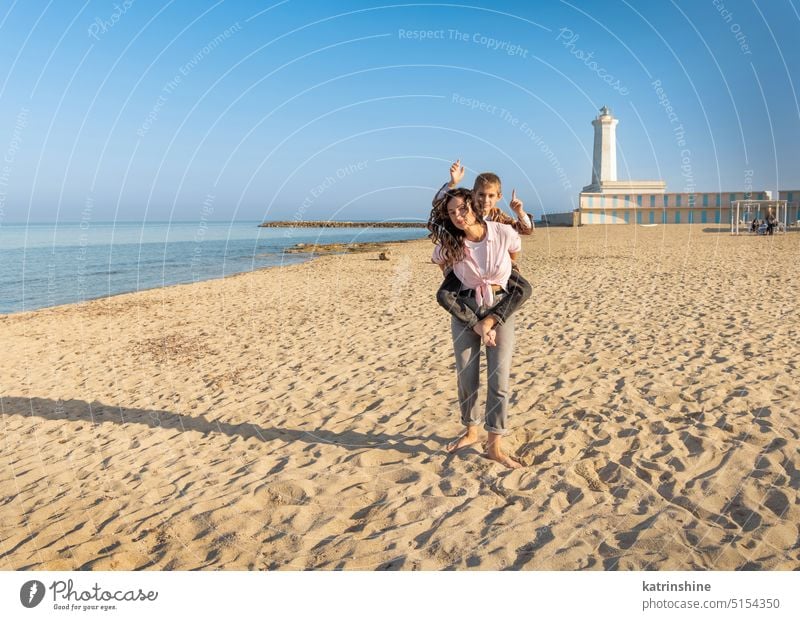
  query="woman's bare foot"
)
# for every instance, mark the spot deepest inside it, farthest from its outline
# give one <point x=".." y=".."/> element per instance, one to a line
<point x="504" y="459"/>
<point x="495" y="452"/>
<point x="469" y="437"/>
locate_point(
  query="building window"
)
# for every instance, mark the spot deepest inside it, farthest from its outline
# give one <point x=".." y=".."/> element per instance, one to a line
<point x="719" y="200"/>
<point x="703" y="217"/>
<point x="653" y="202"/>
<point x="717" y="217"/>
<point x="677" y="217"/>
<point x="639" y="201"/>
<point x="678" y="200"/>
<point x="663" y="217"/>
<point x="627" y="215"/>
<point x="732" y="197"/>
<point x="690" y="217"/>
<point x="602" y="202"/>
<point x="590" y="201"/>
<point x="652" y="217"/>
<point x="789" y="196"/>
<point x="705" y="200"/>
<point x="638" y="217"/>
<point x="666" y="200"/>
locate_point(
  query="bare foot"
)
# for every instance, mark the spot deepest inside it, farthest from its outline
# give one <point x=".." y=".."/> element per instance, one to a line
<point x="504" y="459"/>
<point x="467" y="439"/>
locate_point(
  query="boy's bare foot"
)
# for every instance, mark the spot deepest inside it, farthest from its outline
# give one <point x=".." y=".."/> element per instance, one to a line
<point x="469" y="437"/>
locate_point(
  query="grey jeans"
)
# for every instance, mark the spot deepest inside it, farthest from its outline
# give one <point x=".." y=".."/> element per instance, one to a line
<point x="467" y="348"/>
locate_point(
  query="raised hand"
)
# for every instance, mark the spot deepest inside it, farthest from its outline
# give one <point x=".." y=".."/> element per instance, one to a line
<point x="456" y="173"/>
<point x="516" y="204"/>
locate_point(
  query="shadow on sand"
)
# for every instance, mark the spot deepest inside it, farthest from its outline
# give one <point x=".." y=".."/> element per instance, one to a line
<point x="100" y="413"/>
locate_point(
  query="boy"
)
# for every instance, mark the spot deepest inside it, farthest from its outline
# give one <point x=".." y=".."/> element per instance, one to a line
<point x="486" y="192"/>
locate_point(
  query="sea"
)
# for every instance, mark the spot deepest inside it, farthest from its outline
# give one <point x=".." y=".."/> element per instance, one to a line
<point x="43" y="265"/>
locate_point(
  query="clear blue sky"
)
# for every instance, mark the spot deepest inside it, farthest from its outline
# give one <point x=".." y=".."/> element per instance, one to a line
<point x="319" y="110"/>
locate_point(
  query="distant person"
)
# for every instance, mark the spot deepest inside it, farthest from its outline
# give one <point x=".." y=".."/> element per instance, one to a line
<point x="486" y="192"/>
<point x="480" y="254"/>
<point x="754" y="225"/>
<point x="772" y="221"/>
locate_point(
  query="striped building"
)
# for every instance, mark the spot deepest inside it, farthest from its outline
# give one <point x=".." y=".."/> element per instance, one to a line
<point x="675" y="208"/>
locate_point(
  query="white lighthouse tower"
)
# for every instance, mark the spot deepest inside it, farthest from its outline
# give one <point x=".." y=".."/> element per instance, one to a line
<point x="604" y="161"/>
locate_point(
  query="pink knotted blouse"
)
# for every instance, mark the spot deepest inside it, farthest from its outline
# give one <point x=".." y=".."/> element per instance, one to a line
<point x="485" y="262"/>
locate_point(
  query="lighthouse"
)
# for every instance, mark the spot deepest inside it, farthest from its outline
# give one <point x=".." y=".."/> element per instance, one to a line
<point x="604" y="162"/>
<point x="604" y="158"/>
<point x="611" y="200"/>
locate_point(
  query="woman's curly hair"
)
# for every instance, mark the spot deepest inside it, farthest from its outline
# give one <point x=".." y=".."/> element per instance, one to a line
<point x="442" y="230"/>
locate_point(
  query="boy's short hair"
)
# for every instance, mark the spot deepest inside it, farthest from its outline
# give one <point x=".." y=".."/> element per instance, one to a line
<point x="487" y="178"/>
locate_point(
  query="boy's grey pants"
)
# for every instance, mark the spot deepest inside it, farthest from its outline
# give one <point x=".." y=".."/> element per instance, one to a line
<point x="467" y="348"/>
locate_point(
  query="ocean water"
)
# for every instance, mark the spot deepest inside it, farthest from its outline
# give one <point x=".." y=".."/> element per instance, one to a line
<point x="44" y="265"/>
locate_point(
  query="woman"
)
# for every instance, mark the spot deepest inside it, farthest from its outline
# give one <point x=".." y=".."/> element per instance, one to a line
<point x="772" y="221"/>
<point x="481" y="255"/>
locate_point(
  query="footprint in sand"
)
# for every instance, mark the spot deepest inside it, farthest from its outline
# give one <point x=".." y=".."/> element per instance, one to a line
<point x="583" y="470"/>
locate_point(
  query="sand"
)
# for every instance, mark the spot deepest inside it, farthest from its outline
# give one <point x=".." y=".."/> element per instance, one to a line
<point x="295" y="418"/>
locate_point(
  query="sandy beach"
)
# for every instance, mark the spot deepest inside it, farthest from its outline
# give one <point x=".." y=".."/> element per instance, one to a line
<point x="296" y="417"/>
